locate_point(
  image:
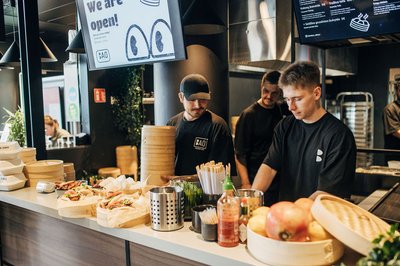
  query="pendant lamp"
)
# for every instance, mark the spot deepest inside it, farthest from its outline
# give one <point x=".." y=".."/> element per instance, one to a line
<point x="46" y="55"/>
<point x="11" y="56"/>
<point x="76" y="46"/>
<point x="201" y="19"/>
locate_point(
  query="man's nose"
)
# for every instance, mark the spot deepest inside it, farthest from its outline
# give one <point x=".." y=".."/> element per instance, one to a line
<point x="196" y="103"/>
<point x="291" y="105"/>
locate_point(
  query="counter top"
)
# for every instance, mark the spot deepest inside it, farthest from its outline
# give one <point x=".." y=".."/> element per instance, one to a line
<point x="183" y="242"/>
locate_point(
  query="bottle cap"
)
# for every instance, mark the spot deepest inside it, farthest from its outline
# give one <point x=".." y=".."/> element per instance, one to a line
<point x="228" y="184"/>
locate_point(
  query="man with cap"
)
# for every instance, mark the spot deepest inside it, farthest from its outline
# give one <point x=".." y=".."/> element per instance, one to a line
<point x="391" y="120"/>
<point x="201" y="135"/>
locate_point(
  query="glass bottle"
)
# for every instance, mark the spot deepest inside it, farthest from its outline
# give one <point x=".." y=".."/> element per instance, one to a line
<point x="228" y="210"/>
<point x="243" y="220"/>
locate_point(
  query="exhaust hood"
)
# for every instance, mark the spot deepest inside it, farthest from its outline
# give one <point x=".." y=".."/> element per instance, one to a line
<point x="260" y="40"/>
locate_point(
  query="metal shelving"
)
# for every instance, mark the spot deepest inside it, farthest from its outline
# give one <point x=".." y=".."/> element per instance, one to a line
<point x="357" y="112"/>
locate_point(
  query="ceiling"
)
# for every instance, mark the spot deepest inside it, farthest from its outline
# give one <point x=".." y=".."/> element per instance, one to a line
<point x="56" y="17"/>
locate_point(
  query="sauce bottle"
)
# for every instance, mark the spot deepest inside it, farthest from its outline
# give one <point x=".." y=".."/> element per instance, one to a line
<point x="228" y="210"/>
<point x="243" y="220"/>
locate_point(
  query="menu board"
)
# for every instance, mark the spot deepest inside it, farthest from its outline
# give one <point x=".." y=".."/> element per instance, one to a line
<point x="327" y="20"/>
<point x="125" y="32"/>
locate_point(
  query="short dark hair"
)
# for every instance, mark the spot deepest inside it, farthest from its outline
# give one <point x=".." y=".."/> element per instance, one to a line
<point x="303" y="74"/>
<point x="272" y="77"/>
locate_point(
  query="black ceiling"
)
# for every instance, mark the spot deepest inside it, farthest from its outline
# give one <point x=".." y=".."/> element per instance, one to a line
<point x="56" y="17"/>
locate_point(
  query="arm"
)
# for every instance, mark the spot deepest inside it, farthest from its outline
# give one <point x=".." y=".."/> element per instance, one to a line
<point x="264" y="177"/>
<point x="244" y="176"/>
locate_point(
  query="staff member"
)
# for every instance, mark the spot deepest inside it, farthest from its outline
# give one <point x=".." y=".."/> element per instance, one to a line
<point x="201" y="135"/>
<point x="391" y="121"/>
<point x="53" y="130"/>
<point x="313" y="151"/>
<point x="254" y="131"/>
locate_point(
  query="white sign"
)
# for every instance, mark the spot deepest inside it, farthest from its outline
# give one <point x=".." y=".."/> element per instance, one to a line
<point x="71" y="93"/>
<point x="128" y="32"/>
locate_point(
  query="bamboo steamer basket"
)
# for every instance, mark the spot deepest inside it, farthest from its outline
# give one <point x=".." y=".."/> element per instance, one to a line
<point x="43" y="166"/>
<point x="127" y="160"/>
<point x="28" y="155"/>
<point x="157" y="153"/>
<point x="69" y="172"/>
<point x="109" y="171"/>
<point x="348" y="223"/>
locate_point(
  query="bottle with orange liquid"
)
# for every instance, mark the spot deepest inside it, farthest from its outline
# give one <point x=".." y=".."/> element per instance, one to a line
<point x="228" y="210"/>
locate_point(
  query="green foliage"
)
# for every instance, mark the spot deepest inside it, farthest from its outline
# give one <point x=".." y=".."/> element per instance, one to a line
<point x="127" y="105"/>
<point x="17" y="126"/>
<point x="386" y="250"/>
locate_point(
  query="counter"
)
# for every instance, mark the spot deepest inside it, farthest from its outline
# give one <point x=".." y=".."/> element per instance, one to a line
<point x="34" y="207"/>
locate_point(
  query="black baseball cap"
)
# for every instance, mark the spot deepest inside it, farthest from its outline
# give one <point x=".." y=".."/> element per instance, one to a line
<point x="195" y="87"/>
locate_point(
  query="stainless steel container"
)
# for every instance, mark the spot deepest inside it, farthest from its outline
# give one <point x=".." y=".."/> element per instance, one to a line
<point x="255" y="198"/>
<point x="167" y="208"/>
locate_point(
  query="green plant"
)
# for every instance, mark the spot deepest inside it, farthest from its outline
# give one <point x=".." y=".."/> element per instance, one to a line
<point x="127" y="101"/>
<point x="386" y="250"/>
<point x="17" y="126"/>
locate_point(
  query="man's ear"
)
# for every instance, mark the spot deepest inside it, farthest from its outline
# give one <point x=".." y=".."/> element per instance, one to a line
<point x="317" y="92"/>
<point x="180" y="95"/>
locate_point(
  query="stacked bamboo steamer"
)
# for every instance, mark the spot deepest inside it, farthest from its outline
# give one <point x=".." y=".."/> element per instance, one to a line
<point x="28" y="155"/>
<point x="69" y="171"/>
<point x="109" y="172"/>
<point x="127" y="160"/>
<point x="157" y="154"/>
<point x="44" y="170"/>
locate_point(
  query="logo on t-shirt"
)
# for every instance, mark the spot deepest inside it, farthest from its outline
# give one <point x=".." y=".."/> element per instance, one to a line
<point x="200" y="143"/>
<point x="319" y="155"/>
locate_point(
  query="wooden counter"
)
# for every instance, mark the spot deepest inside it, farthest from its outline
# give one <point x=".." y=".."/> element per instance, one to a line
<point x="32" y="233"/>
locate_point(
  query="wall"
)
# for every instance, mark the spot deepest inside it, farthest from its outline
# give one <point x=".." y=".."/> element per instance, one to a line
<point x="244" y="89"/>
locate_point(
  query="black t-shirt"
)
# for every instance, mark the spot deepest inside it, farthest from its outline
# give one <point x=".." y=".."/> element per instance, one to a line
<point x="253" y="135"/>
<point x="310" y="157"/>
<point x="391" y="120"/>
<point x="202" y="140"/>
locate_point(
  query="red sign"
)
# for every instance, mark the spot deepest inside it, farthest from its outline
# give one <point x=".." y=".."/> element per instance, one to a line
<point x="99" y="95"/>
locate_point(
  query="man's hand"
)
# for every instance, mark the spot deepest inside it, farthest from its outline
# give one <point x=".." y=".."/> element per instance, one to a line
<point x="246" y="186"/>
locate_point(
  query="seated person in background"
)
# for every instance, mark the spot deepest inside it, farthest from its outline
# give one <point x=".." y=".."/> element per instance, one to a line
<point x="201" y="135"/>
<point x="313" y="151"/>
<point x="391" y="121"/>
<point x="53" y="130"/>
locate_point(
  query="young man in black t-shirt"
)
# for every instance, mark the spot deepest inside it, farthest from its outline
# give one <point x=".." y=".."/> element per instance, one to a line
<point x="201" y="135"/>
<point x="254" y="131"/>
<point x="391" y="120"/>
<point x="313" y="151"/>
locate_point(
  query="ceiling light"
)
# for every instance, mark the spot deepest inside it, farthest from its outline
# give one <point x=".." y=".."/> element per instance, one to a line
<point x="11" y="56"/>
<point x="46" y="55"/>
<point x="76" y="46"/>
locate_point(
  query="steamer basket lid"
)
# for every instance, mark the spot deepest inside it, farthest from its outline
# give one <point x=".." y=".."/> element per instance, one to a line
<point x="350" y="224"/>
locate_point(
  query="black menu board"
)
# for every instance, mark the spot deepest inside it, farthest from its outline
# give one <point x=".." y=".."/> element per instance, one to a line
<point x="328" y="20"/>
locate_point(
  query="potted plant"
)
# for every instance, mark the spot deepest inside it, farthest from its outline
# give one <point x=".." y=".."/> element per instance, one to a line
<point x="17" y="126"/>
